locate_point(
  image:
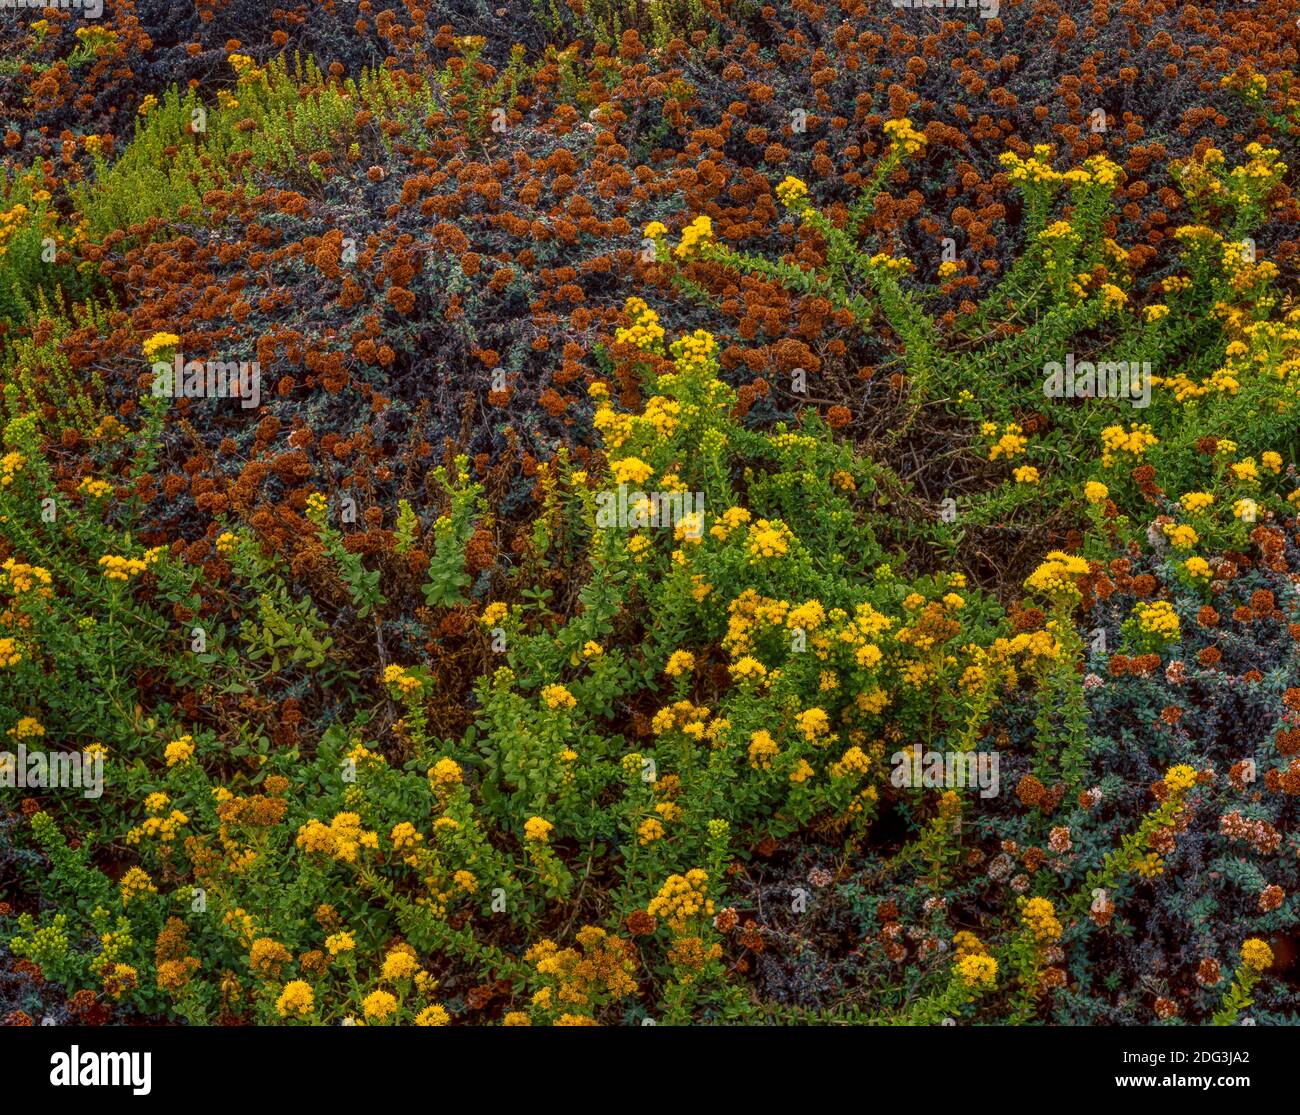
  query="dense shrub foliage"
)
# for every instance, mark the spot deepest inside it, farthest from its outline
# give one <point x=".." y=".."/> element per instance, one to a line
<point x="687" y="511"/>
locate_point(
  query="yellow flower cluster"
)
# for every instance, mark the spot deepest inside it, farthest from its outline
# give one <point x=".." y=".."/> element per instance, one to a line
<point x="691" y="353"/>
<point x="1180" y="779"/>
<point x="158" y="343"/>
<point x="1158" y="618"/>
<point x="977" y="970"/>
<point x="1055" y="575"/>
<point x="179" y="750"/>
<point x="645" y="332"/>
<point x="397" y="676"/>
<point x="902" y="135"/>
<point x="1256" y="954"/>
<point x="10" y="465"/>
<point x="162" y="828"/>
<point x="769" y="539"/>
<point x="792" y="192"/>
<point x="632" y="470"/>
<point x="23" y="578"/>
<point x="694" y="236"/>
<point x="120" y="568"/>
<point x="679" y="662"/>
<point x="537" y="830"/>
<point x="10" y="655"/>
<point x="1040" y="917"/>
<point x="1095" y="171"/>
<point x="296" y="998"/>
<point x="557" y="696"/>
<point x="342" y="839"/>
<point x="95" y="489"/>
<point x="814" y="723"/>
<point x="135" y="883"/>
<point x="1011" y="443"/>
<point x="1134" y="441"/>
<point x="895" y="264"/>
<point x="445" y="772"/>
<point x="682" y="897"/>
<point x="11" y="221"/>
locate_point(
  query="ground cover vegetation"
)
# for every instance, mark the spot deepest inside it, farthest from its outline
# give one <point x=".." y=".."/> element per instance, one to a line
<point x="515" y="499"/>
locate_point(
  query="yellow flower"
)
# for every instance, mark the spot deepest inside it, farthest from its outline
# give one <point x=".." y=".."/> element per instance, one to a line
<point x="405" y="835"/>
<point x="95" y="489"/>
<point x="650" y="830"/>
<point x="10" y="655"/>
<point x="135" y="883"/>
<point x="748" y="668"/>
<point x="682" y="897"/>
<point x="397" y="677"/>
<point x="538" y="830"/>
<point x="296" y="998"/>
<point x="179" y="750"/>
<point x="1095" y="492"/>
<point x="120" y="568"/>
<point x="159" y="342"/>
<point x="1134" y="441"/>
<point x="813" y="722"/>
<point x="694" y="236"/>
<point x="1010" y="444"/>
<point x="1245" y="470"/>
<point x="28" y="727"/>
<point x="1026" y="474"/>
<point x="769" y="539"/>
<point x="445" y="772"/>
<point x="1180" y="779"/>
<point x="868" y="656"/>
<point x="337" y="943"/>
<point x="1112" y="297"/>
<point x="557" y="696"/>
<point x="1040" y="916"/>
<point x="977" y="970"/>
<point x="679" y="662"/>
<point x="1256" y="954"/>
<point x="378" y="1005"/>
<point x="632" y="470"/>
<point x="1158" y="618"/>
<point x="904" y="137"/>
<point x="10" y="465"/>
<point x="762" y="749"/>
<point x="494" y="613"/>
<point x="1055" y="574"/>
<point x="1192" y="502"/>
<point x="399" y="964"/>
<point x="434" y="1016"/>
<point x="792" y="192"/>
